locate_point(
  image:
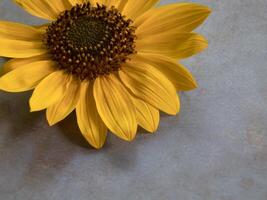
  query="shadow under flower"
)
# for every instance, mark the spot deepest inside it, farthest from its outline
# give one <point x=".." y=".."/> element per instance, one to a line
<point x="69" y="128"/>
<point x="14" y="113"/>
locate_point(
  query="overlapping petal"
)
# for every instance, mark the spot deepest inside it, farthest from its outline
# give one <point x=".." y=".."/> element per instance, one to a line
<point x="115" y="106"/>
<point x="61" y="109"/>
<point x="173" y="44"/>
<point x="130" y="8"/>
<point x="49" y="91"/>
<point x="147" y="115"/>
<point x="183" y="17"/>
<point x="46" y="9"/>
<point x="135" y="8"/>
<point x="150" y="85"/>
<point x="91" y="125"/>
<point x="180" y="77"/>
<point x="17" y="31"/>
<point x="20" y="49"/>
<point x="20" y="41"/>
<point x="20" y="62"/>
<point x="27" y="76"/>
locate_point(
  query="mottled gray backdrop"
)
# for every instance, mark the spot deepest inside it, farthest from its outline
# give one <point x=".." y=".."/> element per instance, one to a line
<point x="216" y="149"/>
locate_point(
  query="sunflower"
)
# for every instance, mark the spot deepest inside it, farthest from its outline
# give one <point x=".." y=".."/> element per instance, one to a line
<point x="114" y="62"/>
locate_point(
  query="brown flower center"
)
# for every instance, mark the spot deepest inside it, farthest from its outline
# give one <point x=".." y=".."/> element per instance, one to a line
<point x="90" y="41"/>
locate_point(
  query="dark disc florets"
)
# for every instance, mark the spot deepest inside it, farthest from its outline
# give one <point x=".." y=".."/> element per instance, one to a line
<point x="89" y="41"/>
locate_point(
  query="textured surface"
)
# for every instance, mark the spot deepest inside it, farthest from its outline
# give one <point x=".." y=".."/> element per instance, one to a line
<point x="215" y="150"/>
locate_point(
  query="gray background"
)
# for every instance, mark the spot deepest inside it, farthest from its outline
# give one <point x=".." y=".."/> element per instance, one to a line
<point x="216" y="149"/>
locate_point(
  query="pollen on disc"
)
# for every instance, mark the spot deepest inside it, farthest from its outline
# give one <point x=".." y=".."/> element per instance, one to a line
<point x="89" y="41"/>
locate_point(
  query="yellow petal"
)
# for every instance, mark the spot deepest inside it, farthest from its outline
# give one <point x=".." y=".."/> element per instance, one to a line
<point x="20" y="62"/>
<point x="16" y="31"/>
<point x="147" y="115"/>
<point x="135" y="8"/>
<point x="184" y="17"/>
<point x="20" y="49"/>
<point x="180" y="77"/>
<point x="46" y="9"/>
<point x="119" y="4"/>
<point x="102" y="2"/>
<point x="75" y="2"/>
<point x="150" y="85"/>
<point x="26" y="77"/>
<point x="115" y="106"/>
<point x="49" y="91"/>
<point x="66" y="104"/>
<point x="172" y="44"/>
<point x="91" y="125"/>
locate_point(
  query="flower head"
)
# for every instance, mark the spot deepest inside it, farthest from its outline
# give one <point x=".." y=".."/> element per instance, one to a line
<point x="114" y="62"/>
